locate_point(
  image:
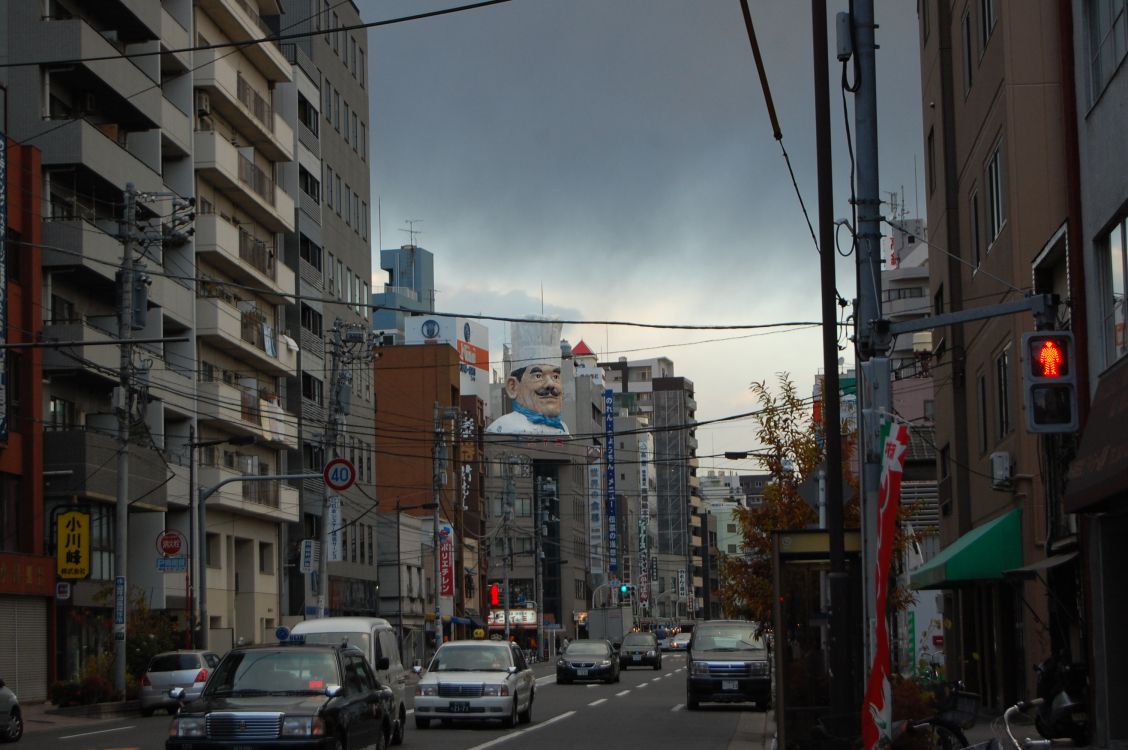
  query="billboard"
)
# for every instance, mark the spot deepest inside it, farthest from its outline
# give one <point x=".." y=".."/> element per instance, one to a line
<point x="470" y="338"/>
<point x="533" y="384"/>
<point x="612" y="516"/>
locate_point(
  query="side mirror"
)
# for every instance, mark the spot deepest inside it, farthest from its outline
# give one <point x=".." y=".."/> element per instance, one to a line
<point x="512" y="669"/>
<point x="333" y="690"/>
<point x="383" y="662"/>
<point x="418" y="669"/>
<point x="176" y="693"/>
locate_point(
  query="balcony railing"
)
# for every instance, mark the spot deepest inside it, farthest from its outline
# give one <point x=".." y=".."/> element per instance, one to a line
<point x="256" y="179"/>
<point x="258" y="253"/>
<point x="256" y="332"/>
<point x="261" y="492"/>
<point x="252" y="10"/>
<point x="255" y="103"/>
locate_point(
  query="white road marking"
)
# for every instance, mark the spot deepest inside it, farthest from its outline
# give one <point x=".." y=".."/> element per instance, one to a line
<point x="643" y="685"/>
<point x="511" y="735"/>
<point x="596" y="703"/>
<point x="102" y="731"/>
<point x="668" y="674"/>
<point x="678" y="707"/>
<point x="547" y="678"/>
<point x="410" y="711"/>
<point x="656" y="679"/>
<point x="593" y="684"/>
<point x="621" y="693"/>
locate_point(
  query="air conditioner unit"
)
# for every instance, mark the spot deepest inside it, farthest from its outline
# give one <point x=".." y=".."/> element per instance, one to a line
<point x="1002" y="470"/>
<point x="203" y="104"/>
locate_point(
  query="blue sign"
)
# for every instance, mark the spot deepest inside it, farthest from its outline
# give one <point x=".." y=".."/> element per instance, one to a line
<point x="282" y="632"/>
<point x="175" y="564"/>
<point x="612" y="517"/>
<point x="119" y="600"/>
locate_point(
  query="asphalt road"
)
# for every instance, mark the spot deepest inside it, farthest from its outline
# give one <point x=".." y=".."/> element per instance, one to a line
<point x="646" y="709"/>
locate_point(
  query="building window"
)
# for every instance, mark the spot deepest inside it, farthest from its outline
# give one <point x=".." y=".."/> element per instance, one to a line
<point x="307" y="115"/>
<point x="330" y="275"/>
<point x="348" y="205"/>
<point x="1003" y="393"/>
<point x="981" y="404"/>
<point x="336" y="34"/>
<point x="309" y="184"/>
<point x="266" y="558"/>
<point x="1106" y="42"/>
<point x="931" y="156"/>
<point x="337" y="182"/>
<point x="996" y="203"/>
<point x="364" y="219"/>
<point x="212" y="557"/>
<point x="925" y="19"/>
<point x="311" y="320"/>
<point x="362" y="142"/>
<point x="61" y="414"/>
<point x="327" y="107"/>
<point x="313" y="389"/>
<point x="309" y="251"/>
<point x="352" y="55"/>
<point x="973" y="218"/>
<point x="1115" y="305"/>
<point x="328" y="186"/>
<point x="987" y="19"/>
<point x="346" y="118"/>
<point x="337" y="110"/>
<point x="945" y="462"/>
<point x="968" y="57"/>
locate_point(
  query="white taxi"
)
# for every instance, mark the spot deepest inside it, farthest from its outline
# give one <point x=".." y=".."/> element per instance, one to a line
<point x="475" y="681"/>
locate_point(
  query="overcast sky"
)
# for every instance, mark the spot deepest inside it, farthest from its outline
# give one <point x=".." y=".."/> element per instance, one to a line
<point x="618" y="155"/>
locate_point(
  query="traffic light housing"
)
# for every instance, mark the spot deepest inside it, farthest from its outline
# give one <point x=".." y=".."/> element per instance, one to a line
<point x="1049" y="382"/>
<point x="495" y="595"/>
<point x="624" y="588"/>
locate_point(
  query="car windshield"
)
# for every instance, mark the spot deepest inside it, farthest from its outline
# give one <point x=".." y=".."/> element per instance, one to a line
<point x="272" y="672"/>
<point x="682" y="637"/>
<point x="728" y="638"/>
<point x="475" y="658"/>
<point x="580" y="648"/>
<point x="174" y="662"/>
<point x="638" y="639"/>
<point x="363" y="641"/>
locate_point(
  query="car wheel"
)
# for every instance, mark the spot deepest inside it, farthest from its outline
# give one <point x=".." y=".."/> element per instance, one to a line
<point x="511" y="720"/>
<point x="658" y="664"/>
<point x="148" y="711"/>
<point x="690" y="702"/>
<point x="382" y="737"/>
<point x="421" y="723"/>
<point x="616" y="675"/>
<point x="172" y="710"/>
<point x="15" y="727"/>
<point x="526" y="716"/>
<point x="400" y="725"/>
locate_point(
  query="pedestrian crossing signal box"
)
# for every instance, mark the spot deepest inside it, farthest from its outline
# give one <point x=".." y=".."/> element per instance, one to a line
<point x="1049" y="383"/>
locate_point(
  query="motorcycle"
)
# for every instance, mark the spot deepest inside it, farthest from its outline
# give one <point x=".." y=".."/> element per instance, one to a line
<point x="1063" y="710"/>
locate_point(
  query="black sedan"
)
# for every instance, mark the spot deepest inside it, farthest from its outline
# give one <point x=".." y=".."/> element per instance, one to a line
<point x="587" y="660"/>
<point x="286" y="696"/>
<point x="640" y="650"/>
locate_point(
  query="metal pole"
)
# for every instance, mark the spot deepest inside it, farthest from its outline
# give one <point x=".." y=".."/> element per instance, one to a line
<point x="194" y="546"/>
<point x="124" y="414"/>
<point x="399" y="580"/>
<point x="538" y="568"/>
<point x="839" y="656"/>
<point x="507" y="514"/>
<point x="332" y="430"/>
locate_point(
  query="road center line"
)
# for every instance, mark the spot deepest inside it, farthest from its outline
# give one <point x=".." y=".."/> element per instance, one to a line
<point x="596" y="703"/>
<point x="640" y="686"/>
<point x="678" y="707"/>
<point x="511" y="735"/>
<point x="621" y="693"/>
<point x="101" y="731"/>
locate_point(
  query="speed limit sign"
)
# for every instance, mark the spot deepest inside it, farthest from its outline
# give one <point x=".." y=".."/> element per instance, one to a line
<point x="339" y="474"/>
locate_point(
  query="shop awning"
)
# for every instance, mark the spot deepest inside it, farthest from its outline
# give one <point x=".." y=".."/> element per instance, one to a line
<point x="1100" y="470"/>
<point x="1035" y="569"/>
<point x="982" y="554"/>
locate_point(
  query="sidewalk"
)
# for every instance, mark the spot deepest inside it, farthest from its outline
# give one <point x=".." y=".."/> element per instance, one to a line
<point x="44" y="716"/>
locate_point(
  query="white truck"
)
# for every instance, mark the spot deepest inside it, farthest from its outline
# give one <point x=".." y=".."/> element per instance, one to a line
<point x="611" y="623"/>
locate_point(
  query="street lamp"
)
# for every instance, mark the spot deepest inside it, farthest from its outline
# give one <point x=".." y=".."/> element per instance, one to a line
<point x="399" y="564"/>
<point x="196" y="527"/>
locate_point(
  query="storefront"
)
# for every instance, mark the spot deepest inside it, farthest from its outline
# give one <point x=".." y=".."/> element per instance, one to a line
<point x="27" y="590"/>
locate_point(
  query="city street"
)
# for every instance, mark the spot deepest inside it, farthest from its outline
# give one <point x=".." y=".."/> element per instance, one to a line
<point x="645" y="709"/>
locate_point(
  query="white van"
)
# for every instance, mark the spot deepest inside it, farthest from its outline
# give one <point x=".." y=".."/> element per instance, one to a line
<point x="377" y="639"/>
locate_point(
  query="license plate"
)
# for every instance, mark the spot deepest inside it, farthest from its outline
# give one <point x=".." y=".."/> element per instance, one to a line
<point x="637" y="657"/>
<point x="459" y="707"/>
<point x="730" y="685"/>
<point x="581" y="672"/>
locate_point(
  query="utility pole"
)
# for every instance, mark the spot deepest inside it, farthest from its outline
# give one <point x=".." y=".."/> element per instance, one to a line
<point x="538" y="566"/>
<point x="123" y="407"/>
<point x="507" y="517"/>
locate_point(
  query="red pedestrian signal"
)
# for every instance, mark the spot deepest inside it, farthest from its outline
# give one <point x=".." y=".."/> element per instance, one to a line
<point x="495" y="596"/>
<point x="1048" y="384"/>
<point x="1049" y="359"/>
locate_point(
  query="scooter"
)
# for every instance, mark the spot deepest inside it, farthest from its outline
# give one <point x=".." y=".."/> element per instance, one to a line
<point x="1063" y="711"/>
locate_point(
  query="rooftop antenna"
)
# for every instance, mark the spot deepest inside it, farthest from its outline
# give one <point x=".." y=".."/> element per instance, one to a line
<point x="411" y="230"/>
<point x="542" y="297"/>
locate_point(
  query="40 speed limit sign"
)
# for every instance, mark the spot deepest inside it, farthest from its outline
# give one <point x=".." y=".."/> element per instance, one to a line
<point x="339" y="474"/>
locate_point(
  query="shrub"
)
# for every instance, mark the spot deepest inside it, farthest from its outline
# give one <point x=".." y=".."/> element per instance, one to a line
<point x="96" y="689"/>
<point x="65" y="693"/>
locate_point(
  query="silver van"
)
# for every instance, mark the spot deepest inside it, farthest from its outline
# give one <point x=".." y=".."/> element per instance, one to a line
<point x="374" y="636"/>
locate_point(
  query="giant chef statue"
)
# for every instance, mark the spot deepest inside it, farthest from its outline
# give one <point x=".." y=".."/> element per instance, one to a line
<point x="533" y="385"/>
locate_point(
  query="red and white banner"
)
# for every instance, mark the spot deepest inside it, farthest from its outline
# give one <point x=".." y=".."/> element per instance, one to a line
<point x="877" y="710"/>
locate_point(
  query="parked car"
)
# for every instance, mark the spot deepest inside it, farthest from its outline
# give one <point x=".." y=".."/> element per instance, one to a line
<point x="478" y="681"/>
<point x="680" y="642"/>
<point x="376" y="637"/>
<point x="290" y="695"/>
<point x="727" y="663"/>
<point x="183" y="669"/>
<point x="640" y="650"/>
<point x="588" y="660"/>
<point x="11" y="720"/>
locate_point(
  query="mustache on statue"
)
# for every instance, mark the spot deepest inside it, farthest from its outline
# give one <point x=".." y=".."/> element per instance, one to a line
<point x="548" y="391"/>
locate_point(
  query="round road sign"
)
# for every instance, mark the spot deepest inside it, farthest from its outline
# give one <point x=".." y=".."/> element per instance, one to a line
<point x="339" y="474"/>
<point x="170" y="542"/>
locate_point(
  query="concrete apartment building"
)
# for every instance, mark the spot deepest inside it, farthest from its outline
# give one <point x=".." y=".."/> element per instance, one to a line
<point x="330" y="252"/>
<point x="995" y="105"/>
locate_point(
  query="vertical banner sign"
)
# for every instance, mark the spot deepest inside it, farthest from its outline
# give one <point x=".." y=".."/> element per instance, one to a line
<point x="681" y="583"/>
<point x="643" y="524"/>
<point x="612" y="516"/>
<point x="877" y="709"/>
<point x="595" y="521"/>
<point x="336" y="550"/>
<point x="446" y="560"/>
<point x="72" y="545"/>
<point x="3" y="285"/>
<point x="119" y="608"/>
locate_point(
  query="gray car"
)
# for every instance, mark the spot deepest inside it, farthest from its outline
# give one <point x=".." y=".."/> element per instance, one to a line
<point x="172" y="669"/>
<point x="11" y="721"/>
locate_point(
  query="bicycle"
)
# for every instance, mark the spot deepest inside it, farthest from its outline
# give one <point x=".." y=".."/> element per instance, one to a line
<point x="933" y="733"/>
<point x="1027" y="743"/>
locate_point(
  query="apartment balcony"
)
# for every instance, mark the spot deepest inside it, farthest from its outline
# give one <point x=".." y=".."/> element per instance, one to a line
<point x="95" y="352"/>
<point x="176" y="130"/>
<point x="247" y="413"/>
<point x="247" y="260"/>
<point x="77" y="244"/>
<point x="695" y="521"/>
<point x="237" y="176"/>
<point x="80" y="142"/>
<point x="176" y="299"/>
<point x="175" y="387"/>
<point x="241" y="103"/>
<point x="270" y="499"/>
<point x="245" y="335"/>
<point x="240" y="20"/>
<point x="81" y="463"/>
<point x="178" y="486"/>
<point x="175" y="37"/>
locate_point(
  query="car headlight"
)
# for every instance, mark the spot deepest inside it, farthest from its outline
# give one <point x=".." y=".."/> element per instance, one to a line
<point x="426" y="690"/>
<point x="699" y="667"/>
<point x="605" y="663"/>
<point x="757" y="667"/>
<point x="650" y="652"/>
<point x="495" y="690"/>
<point x="302" y="726"/>
<point x="561" y="663"/>
<point x="192" y="726"/>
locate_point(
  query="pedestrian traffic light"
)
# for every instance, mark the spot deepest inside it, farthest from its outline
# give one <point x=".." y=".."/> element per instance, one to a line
<point x="1049" y="381"/>
<point x="495" y="594"/>
<point x="624" y="588"/>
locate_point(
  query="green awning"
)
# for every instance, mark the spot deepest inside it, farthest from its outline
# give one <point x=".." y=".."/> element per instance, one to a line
<point x="982" y="554"/>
